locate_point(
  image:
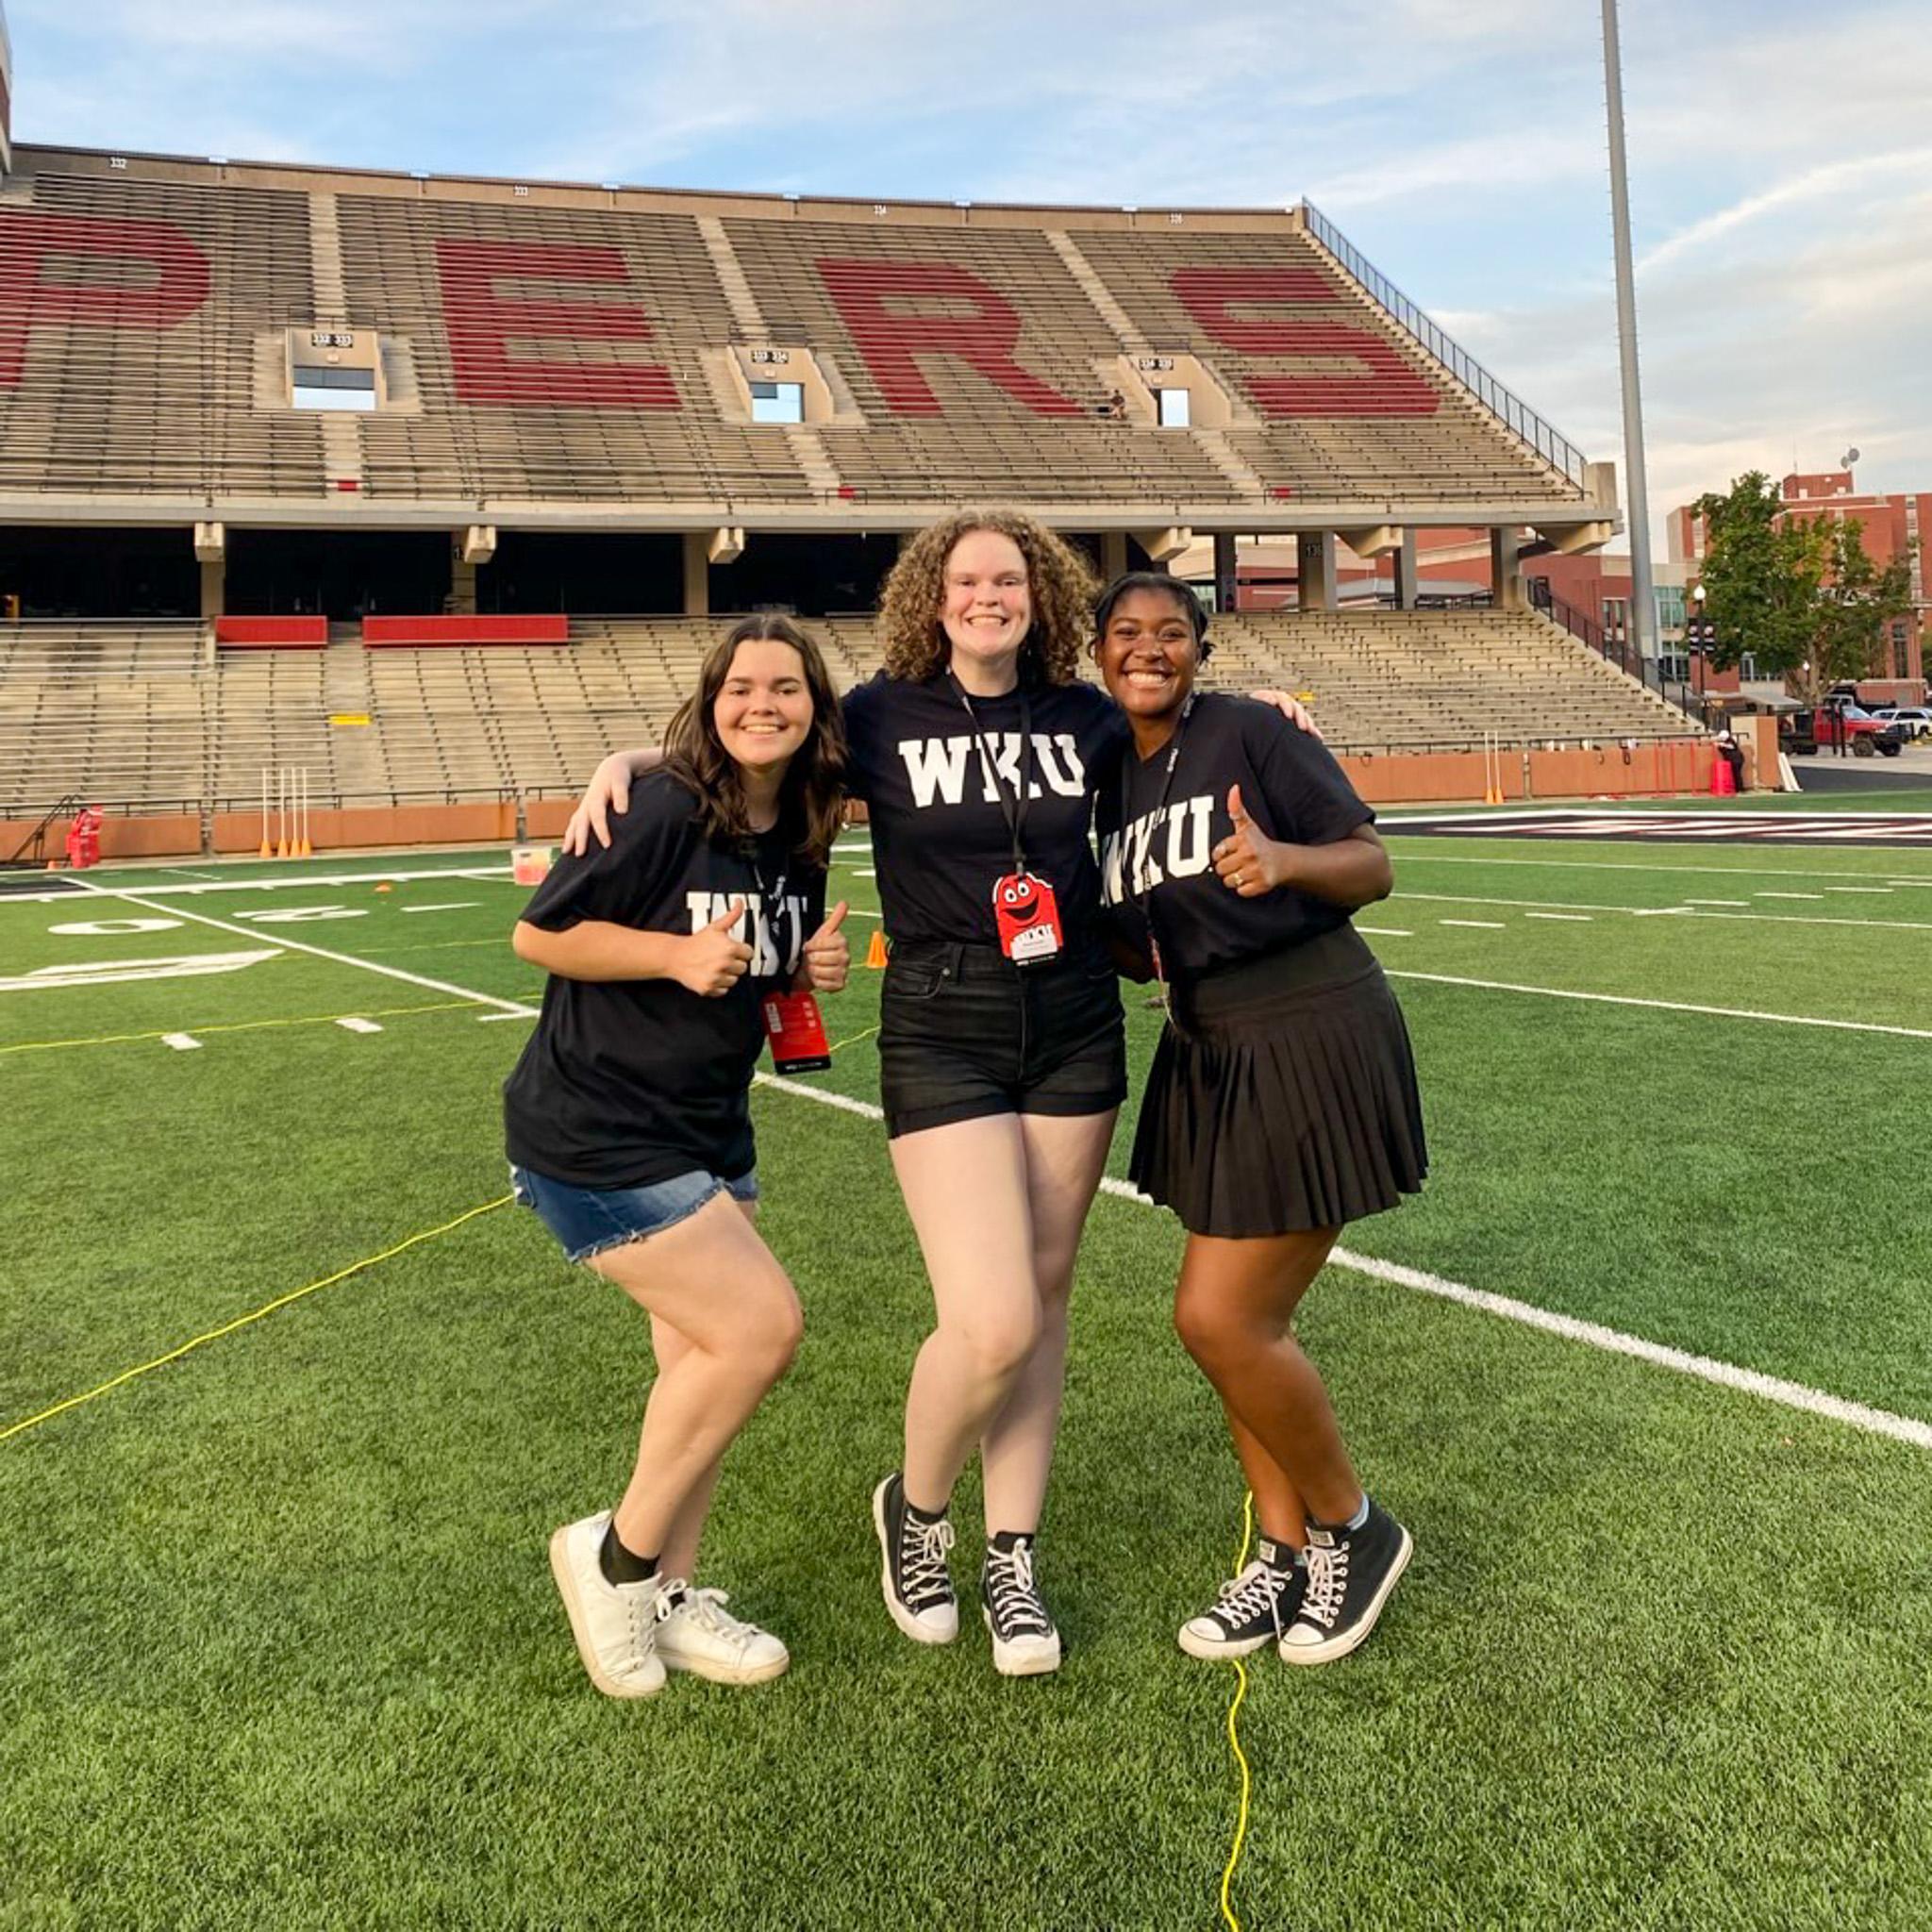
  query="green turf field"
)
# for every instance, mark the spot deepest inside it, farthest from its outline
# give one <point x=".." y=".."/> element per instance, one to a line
<point x="278" y="1644"/>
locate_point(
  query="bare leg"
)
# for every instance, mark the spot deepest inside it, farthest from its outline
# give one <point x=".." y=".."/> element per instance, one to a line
<point x="1064" y="1161"/>
<point x="712" y="1280"/>
<point x="1233" y="1306"/>
<point x="965" y="1187"/>
<point x="679" y="1557"/>
<point x="1278" y="1510"/>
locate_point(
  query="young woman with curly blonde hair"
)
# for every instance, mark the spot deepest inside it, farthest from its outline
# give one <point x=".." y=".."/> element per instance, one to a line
<point x="979" y="751"/>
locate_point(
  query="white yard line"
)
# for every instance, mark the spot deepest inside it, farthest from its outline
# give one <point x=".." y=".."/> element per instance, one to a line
<point x="1480" y="924"/>
<point x="447" y="905"/>
<point x="1818" y="896"/>
<point x="1691" y="909"/>
<point x="1791" y="1394"/>
<point x="1386" y="932"/>
<point x="133" y="898"/>
<point x="1568" y="918"/>
<point x="352" y="1025"/>
<point x="1619" y="999"/>
<point x="1857" y="1415"/>
<point x="181" y="1042"/>
<point x="1412" y="855"/>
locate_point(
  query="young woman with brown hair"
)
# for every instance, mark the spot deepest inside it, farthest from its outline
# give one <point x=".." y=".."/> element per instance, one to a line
<point x="628" y="1126"/>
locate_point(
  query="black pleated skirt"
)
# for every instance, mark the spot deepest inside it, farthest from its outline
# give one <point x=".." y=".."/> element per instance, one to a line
<point x="1283" y="1096"/>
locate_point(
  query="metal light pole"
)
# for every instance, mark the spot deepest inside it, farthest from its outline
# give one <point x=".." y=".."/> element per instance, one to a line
<point x="1636" y="494"/>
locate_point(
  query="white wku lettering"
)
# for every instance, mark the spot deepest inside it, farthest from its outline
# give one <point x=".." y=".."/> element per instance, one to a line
<point x="937" y="767"/>
<point x="704" y="907"/>
<point x="1130" y="852"/>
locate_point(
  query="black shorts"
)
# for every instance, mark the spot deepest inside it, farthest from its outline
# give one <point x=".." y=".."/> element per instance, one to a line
<point x="964" y="1033"/>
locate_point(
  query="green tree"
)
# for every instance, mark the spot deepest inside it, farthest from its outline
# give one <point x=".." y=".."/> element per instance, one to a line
<point x="1761" y="577"/>
<point x="1855" y="602"/>
<point x="1800" y="594"/>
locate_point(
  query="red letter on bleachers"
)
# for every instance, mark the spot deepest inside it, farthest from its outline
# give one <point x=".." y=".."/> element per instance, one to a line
<point x="164" y="280"/>
<point x="1387" y="386"/>
<point x="892" y="341"/>
<point x="482" y="326"/>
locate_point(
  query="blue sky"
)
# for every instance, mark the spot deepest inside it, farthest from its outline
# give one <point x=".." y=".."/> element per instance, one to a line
<point x="1781" y="155"/>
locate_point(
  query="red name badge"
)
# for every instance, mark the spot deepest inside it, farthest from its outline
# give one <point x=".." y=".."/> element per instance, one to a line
<point x="796" y="1030"/>
<point x="1028" y="918"/>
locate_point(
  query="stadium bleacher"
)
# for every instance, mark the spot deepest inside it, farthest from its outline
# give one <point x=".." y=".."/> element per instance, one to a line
<point x="570" y="359"/>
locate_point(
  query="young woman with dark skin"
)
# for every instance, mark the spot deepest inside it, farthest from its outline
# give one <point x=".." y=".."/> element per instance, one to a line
<point x="1282" y="1100"/>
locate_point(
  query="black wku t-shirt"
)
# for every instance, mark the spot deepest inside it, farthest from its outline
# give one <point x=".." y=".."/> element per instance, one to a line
<point x="625" y="1083"/>
<point x="1292" y="790"/>
<point x="940" y="838"/>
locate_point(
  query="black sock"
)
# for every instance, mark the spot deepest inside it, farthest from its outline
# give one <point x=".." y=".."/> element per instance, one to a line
<point x="918" y="1515"/>
<point x="621" y="1565"/>
<point x="1007" y="1541"/>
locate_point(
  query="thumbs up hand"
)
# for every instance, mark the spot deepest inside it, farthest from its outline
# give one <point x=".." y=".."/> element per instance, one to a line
<point x="1248" y="862"/>
<point x="827" y="959"/>
<point x="712" y="962"/>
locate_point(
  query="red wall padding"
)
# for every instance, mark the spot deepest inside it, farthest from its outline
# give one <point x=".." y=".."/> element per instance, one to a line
<point x="296" y="633"/>
<point x="380" y="632"/>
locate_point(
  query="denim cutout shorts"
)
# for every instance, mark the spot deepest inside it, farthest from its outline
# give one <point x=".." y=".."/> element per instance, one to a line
<point x="587" y="1221"/>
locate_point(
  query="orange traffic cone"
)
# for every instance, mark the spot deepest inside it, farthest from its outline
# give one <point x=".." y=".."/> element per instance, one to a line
<point x="1723" y="781"/>
<point x="875" y="953"/>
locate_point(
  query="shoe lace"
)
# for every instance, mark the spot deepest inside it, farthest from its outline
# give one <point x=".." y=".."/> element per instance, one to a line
<point x="923" y="1574"/>
<point x="706" y="1608"/>
<point x="1259" y="1588"/>
<point x="1013" y="1596"/>
<point x="1327" y="1584"/>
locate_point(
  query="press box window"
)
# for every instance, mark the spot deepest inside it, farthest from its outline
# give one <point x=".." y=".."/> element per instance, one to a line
<point x="778" y="402"/>
<point x="1174" y="409"/>
<point x="318" y="387"/>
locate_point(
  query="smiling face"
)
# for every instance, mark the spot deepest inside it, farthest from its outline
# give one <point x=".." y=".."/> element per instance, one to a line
<point x="1017" y="901"/>
<point x="763" y="710"/>
<point x="986" y="604"/>
<point x="1148" y="655"/>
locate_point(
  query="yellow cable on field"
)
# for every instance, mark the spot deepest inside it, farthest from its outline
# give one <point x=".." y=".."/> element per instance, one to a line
<point x="854" y="1040"/>
<point x="174" y="1355"/>
<point x="1240" y="1824"/>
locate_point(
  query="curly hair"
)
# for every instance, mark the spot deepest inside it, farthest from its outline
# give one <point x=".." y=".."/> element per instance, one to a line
<point x="1061" y="584"/>
<point x="811" y="800"/>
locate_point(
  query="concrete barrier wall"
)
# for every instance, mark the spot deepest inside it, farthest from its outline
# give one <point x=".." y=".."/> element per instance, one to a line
<point x="161" y="837"/>
<point x="1650" y="771"/>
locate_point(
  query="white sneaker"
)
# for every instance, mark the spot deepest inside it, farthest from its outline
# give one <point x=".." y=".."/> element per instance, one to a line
<point x="696" y="1633"/>
<point x="615" y="1623"/>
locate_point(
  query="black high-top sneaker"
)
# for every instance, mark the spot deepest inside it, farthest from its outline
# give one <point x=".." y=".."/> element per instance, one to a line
<point x="1350" y="1572"/>
<point x="1255" y="1607"/>
<point x="918" y="1586"/>
<point x="1024" y="1642"/>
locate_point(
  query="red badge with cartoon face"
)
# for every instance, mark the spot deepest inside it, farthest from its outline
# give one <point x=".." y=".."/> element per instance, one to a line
<point x="1028" y="918"/>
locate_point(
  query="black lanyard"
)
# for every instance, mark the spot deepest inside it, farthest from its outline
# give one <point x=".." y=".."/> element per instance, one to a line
<point x="1014" y="814"/>
<point x="1129" y="870"/>
<point x="771" y="896"/>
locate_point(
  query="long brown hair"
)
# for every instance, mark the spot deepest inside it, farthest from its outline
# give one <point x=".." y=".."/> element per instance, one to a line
<point x="812" y="797"/>
<point x="1058" y="577"/>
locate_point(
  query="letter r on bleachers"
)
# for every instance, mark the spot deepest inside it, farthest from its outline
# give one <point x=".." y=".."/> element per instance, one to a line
<point x="892" y="340"/>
